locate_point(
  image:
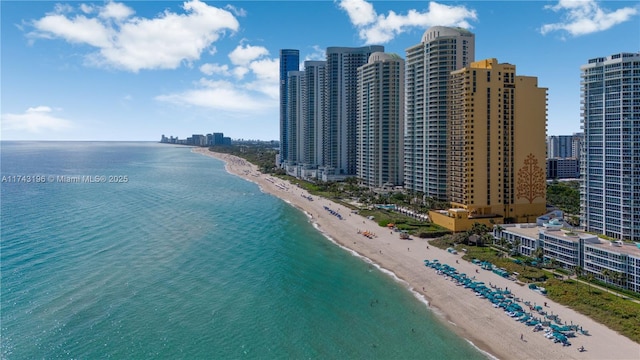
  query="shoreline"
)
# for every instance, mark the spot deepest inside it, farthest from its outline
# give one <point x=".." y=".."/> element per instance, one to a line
<point x="474" y="319"/>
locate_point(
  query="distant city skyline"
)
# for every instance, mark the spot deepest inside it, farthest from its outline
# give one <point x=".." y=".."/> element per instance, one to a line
<point x="109" y="70"/>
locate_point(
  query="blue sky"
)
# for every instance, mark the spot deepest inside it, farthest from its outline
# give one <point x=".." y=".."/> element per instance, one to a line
<point x="134" y="70"/>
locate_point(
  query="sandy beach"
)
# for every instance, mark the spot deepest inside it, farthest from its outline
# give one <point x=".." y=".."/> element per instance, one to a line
<point x="471" y="317"/>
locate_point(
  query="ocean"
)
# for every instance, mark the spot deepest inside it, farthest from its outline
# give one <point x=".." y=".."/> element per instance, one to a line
<point x="137" y="250"/>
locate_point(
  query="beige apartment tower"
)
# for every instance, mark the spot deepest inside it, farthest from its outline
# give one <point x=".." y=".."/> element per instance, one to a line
<point x="497" y="147"/>
<point x="380" y="121"/>
<point x="428" y="67"/>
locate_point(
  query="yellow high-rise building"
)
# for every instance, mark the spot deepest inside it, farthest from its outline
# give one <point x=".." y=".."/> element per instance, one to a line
<point x="497" y="147"/>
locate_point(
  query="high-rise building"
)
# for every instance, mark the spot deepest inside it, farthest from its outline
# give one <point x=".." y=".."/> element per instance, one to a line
<point x="563" y="168"/>
<point x="313" y="111"/>
<point x="289" y="61"/>
<point x="339" y="138"/>
<point x="198" y="140"/>
<point x="560" y="146"/>
<point x="610" y="162"/>
<point x="428" y="67"/>
<point x="380" y="121"/>
<point x="218" y="138"/>
<point x="563" y="156"/>
<point x="576" y="145"/>
<point x="294" y="117"/>
<point x="496" y="139"/>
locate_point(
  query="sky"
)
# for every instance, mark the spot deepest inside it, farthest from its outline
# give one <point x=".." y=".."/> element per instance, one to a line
<point x="134" y="70"/>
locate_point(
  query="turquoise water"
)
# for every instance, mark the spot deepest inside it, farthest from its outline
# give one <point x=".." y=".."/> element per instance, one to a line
<point x="184" y="261"/>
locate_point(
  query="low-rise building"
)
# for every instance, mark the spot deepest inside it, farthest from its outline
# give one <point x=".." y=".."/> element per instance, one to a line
<point x="613" y="262"/>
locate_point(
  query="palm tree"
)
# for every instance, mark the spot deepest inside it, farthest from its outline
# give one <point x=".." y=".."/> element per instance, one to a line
<point x="607" y="275"/>
<point x="578" y="271"/>
<point x="461" y="238"/>
<point x="538" y="253"/>
<point x="487" y="238"/>
<point x="623" y="279"/>
<point x="516" y="246"/>
<point x="615" y="277"/>
<point x="479" y="229"/>
<point x="590" y="278"/>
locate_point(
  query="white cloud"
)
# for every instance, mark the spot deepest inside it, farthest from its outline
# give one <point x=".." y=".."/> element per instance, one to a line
<point x="34" y="120"/>
<point x="221" y="95"/>
<point x="80" y="29"/>
<point x="210" y="69"/>
<point x="585" y="17"/>
<point x="360" y="12"/>
<point x="236" y="11"/>
<point x="243" y="55"/>
<point x="267" y="77"/>
<point x="255" y="90"/>
<point x="117" y="11"/>
<point x="87" y="9"/>
<point x="135" y="43"/>
<point x="240" y="71"/>
<point x="380" y="29"/>
<point x="317" y="54"/>
<point x="266" y="69"/>
<point x="62" y="8"/>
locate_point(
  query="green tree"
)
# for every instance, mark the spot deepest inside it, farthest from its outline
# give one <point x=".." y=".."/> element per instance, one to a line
<point x="624" y="277"/>
<point x="578" y="271"/>
<point x="607" y="275"/>
<point x="590" y="278"/>
<point x="616" y="277"/>
<point x="516" y="246"/>
<point x="538" y="253"/>
<point x="479" y="229"/>
<point x="487" y="238"/>
<point x="461" y="238"/>
<point x="565" y="196"/>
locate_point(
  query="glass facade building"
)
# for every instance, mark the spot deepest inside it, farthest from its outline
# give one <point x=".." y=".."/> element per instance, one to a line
<point x="289" y="61"/>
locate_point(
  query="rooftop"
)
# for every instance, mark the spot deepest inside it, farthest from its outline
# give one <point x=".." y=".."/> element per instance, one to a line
<point x="526" y="230"/>
<point x="623" y="248"/>
<point x="532" y="230"/>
